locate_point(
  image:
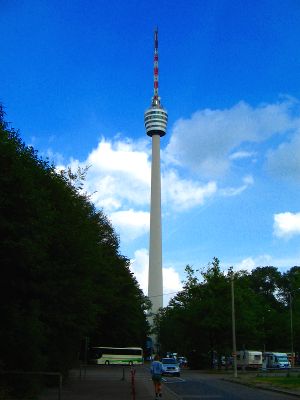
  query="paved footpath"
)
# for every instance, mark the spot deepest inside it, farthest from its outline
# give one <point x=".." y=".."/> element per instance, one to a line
<point x="108" y="383"/>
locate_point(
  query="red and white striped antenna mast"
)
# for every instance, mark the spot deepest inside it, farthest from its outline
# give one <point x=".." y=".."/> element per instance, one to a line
<point x="155" y="100"/>
<point x="156" y="117"/>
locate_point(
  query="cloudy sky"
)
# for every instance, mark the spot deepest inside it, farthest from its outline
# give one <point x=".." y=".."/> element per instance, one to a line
<point x="76" y="78"/>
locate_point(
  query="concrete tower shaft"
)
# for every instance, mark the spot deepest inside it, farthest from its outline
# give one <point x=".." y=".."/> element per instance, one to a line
<point x="155" y="279"/>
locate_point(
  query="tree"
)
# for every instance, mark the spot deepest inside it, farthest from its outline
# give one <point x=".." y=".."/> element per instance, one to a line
<point x="62" y="276"/>
<point x="197" y="322"/>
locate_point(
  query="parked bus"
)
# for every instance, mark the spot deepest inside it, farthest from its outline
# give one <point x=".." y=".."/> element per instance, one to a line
<point x="116" y="355"/>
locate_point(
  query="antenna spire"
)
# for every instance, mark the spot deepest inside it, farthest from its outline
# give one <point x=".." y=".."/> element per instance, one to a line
<point x="156" y="118"/>
<point x="155" y="100"/>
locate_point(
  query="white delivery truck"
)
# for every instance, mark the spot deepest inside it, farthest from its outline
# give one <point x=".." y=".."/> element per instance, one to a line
<point x="249" y="359"/>
<point x="273" y="360"/>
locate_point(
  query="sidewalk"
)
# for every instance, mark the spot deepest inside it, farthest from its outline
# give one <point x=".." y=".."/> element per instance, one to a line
<point x="108" y="383"/>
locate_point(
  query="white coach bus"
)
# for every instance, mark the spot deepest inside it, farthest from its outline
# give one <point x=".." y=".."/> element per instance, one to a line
<point x="116" y="355"/>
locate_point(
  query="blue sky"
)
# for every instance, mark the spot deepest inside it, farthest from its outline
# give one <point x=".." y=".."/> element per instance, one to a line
<point x="76" y="78"/>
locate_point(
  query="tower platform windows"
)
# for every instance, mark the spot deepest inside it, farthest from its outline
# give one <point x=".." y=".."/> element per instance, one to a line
<point x="156" y="121"/>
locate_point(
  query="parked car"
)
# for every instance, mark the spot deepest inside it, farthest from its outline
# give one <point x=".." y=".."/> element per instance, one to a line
<point x="170" y="366"/>
<point x="171" y="355"/>
<point x="182" y="361"/>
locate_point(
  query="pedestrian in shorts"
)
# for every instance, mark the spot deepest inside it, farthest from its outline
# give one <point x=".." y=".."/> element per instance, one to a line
<point x="156" y="373"/>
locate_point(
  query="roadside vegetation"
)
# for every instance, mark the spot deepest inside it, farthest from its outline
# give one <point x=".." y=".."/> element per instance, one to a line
<point x="271" y="379"/>
<point x="197" y="323"/>
<point x="63" y="278"/>
<point x="287" y="382"/>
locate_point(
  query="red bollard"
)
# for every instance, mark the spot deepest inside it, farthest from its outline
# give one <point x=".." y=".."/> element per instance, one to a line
<point x="132" y="370"/>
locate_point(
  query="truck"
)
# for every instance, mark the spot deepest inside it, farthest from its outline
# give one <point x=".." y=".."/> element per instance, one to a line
<point x="275" y="360"/>
<point x="249" y="359"/>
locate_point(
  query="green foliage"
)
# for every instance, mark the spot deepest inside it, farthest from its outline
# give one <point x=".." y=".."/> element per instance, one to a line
<point x="287" y="382"/>
<point x="198" y="320"/>
<point x="62" y="277"/>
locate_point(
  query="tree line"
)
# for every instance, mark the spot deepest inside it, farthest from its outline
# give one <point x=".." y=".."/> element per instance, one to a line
<point x="62" y="275"/>
<point x="198" y="321"/>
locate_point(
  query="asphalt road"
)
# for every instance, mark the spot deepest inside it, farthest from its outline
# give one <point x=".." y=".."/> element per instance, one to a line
<point x="194" y="385"/>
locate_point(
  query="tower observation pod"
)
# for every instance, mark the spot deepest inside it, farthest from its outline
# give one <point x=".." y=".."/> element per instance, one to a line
<point x="156" y="119"/>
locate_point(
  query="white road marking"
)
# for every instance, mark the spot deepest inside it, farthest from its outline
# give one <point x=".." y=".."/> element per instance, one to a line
<point x="203" y="396"/>
<point x="174" y="380"/>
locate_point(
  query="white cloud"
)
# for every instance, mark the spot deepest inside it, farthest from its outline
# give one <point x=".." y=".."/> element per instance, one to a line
<point x="139" y="266"/>
<point x="241" y="155"/>
<point x="171" y="279"/>
<point x="118" y="181"/>
<point x="183" y="194"/>
<point x="205" y="141"/>
<point x="263" y="260"/>
<point x="130" y="224"/>
<point x="231" y="191"/>
<point x="121" y="157"/>
<point x="55" y="157"/>
<point x="119" y="175"/>
<point x="247" y="264"/>
<point x="251" y="263"/>
<point x="284" y="162"/>
<point x="286" y="224"/>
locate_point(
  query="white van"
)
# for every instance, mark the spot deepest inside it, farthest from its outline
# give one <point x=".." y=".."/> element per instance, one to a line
<point x="249" y="359"/>
<point x="275" y="361"/>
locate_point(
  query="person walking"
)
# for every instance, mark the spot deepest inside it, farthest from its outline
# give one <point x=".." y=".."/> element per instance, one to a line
<point x="156" y="373"/>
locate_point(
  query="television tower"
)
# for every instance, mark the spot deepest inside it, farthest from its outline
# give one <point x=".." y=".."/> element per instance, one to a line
<point x="156" y="119"/>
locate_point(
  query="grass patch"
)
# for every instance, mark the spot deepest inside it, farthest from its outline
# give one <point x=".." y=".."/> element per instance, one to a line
<point x="287" y="382"/>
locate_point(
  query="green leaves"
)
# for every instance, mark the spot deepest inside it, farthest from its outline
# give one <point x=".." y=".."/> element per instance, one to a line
<point x="198" y="320"/>
<point x="62" y="277"/>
